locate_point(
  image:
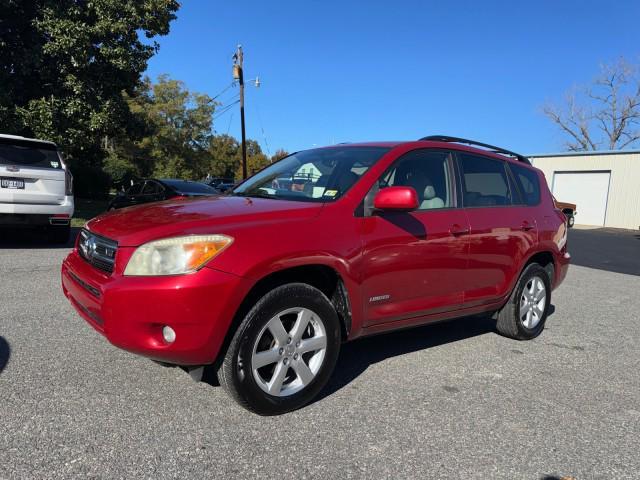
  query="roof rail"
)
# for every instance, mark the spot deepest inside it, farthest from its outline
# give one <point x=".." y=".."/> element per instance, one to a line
<point x="492" y="148"/>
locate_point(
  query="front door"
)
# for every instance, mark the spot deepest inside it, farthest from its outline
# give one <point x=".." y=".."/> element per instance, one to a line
<point x="413" y="263"/>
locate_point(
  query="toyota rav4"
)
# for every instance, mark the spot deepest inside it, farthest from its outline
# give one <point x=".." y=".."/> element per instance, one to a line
<point x="324" y="246"/>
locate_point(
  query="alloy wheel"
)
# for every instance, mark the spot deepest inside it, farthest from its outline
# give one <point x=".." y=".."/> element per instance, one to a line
<point x="289" y="352"/>
<point x="533" y="302"/>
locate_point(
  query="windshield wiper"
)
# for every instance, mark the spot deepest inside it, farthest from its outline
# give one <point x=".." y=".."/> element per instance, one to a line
<point x="254" y="195"/>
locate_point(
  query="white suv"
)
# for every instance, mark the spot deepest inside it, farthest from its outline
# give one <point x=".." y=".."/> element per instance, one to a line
<point x="35" y="186"/>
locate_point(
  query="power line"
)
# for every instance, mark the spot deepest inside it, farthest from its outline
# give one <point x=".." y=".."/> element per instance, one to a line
<point x="224" y="90"/>
<point x="224" y="102"/>
<point x="230" y="119"/>
<point x="225" y="109"/>
<point x="264" y="135"/>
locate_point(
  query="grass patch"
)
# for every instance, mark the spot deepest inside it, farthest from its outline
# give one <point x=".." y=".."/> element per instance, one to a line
<point x="86" y="209"/>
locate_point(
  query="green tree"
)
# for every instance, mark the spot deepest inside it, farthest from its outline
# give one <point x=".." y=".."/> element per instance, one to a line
<point x="65" y="63"/>
<point x="176" y="127"/>
<point x="224" y="151"/>
<point x="256" y="160"/>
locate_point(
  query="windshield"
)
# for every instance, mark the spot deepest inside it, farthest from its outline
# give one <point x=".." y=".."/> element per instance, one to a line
<point x="29" y="154"/>
<point x="318" y="175"/>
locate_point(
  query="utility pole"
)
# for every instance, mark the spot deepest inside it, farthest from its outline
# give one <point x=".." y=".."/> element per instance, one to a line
<point x="239" y="75"/>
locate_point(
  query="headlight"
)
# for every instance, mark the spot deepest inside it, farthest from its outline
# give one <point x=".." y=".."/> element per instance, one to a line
<point x="175" y="256"/>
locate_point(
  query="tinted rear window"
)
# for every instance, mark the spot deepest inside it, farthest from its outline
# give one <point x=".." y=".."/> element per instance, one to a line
<point x="183" y="186"/>
<point x="484" y="181"/>
<point x="528" y="183"/>
<point x="29" y="155"/>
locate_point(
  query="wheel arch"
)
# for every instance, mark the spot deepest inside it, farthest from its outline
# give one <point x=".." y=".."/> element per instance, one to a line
<point x="321" y="276"/>
<point x="546" y="260"/>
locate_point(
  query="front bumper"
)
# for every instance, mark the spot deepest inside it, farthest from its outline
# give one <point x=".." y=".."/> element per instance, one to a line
<point x="131" y="311"/>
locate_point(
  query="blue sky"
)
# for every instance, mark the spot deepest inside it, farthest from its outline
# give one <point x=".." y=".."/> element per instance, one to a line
<point x="336" y="71"/>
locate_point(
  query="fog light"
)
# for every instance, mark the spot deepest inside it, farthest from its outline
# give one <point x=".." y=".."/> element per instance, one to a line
<point x="169" y="334"/>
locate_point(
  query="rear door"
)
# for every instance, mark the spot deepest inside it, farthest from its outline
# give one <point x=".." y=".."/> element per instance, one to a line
<point x="502" y="228"/>
<point x="413" y="263"/>
<point x="30" y="173"/>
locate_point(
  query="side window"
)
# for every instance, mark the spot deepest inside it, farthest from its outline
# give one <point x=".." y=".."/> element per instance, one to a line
<point x="134" y="189"/>
<point x="484" y="181"/>
<point x="427" y="171"/>
<point x="528" y="182"/>
<point x="151" y="188"/>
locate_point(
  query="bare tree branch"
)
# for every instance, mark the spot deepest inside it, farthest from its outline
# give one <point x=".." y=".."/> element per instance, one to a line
<point x="611" y="105"/>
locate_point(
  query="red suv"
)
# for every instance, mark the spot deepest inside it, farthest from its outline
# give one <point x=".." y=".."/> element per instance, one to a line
<point x="326" y="245"/>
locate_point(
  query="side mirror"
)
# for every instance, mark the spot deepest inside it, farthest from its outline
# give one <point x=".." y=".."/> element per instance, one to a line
<point x="397" y="199"/>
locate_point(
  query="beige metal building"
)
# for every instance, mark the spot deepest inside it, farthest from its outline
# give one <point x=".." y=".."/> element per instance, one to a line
<point x="605" y="185"/>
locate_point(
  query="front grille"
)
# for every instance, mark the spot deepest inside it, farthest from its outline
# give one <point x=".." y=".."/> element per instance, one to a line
<point x="98" y="251"/>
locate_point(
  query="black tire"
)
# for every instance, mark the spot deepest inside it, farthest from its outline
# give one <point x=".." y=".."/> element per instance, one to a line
<point x="509" y="322"/>
<point x="59" y="234"/>
<point x="236" y="373"/>
<point x="570" y="221"/>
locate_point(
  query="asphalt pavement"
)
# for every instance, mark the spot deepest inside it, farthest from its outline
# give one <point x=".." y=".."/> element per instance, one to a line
<point x="452" y="400"/>
<point x="609" y="249"/>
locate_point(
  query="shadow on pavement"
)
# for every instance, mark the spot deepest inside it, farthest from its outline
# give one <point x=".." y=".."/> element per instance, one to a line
<point x="19" y="238"/>
<point x="5" y="353"/>
<point x="608" y="249"/>
<point x="357" y="356"/>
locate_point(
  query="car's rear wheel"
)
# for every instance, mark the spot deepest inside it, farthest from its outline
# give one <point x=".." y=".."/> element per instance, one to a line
<point x="58" y="234"/>
<point x="525" y="313"/>
<point x="283" y="352"/>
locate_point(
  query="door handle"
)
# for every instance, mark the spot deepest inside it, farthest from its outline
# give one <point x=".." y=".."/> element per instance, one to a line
<point x="457" y="230"/>
<point x="526" y="226"/>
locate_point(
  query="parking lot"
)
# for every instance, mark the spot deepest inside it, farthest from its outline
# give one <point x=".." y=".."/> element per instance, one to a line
<point x="452" y="400"/>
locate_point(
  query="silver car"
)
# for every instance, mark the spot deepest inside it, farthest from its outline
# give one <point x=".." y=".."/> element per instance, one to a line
<point x="36" y="187"/>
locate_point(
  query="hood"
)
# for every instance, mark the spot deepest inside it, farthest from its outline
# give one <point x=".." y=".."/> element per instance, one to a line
<point x="136" y="225"/>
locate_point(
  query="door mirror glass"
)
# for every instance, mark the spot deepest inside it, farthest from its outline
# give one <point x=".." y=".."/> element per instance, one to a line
<point x="398" y="199"/>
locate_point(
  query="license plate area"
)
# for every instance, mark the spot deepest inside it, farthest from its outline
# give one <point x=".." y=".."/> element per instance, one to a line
<point x="12" y="183"/>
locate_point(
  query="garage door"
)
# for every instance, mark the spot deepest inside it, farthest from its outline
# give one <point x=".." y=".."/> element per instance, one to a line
<point x="588" y="190"/>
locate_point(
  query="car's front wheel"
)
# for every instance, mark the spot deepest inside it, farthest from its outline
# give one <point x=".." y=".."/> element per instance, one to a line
<point x="283" y="352"/>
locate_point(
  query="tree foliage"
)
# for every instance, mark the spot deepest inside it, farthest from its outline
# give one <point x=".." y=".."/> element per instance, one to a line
<point x="70" y="72"/>
<point x="224" y="156"/>
<point x="174" y="138"/>
<point x="65" y="63"/>
<point x="280" y="154"/>
<point x="178" y="124"/>
<point x="256" y="160"/>
<point x="605" y="114"/>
